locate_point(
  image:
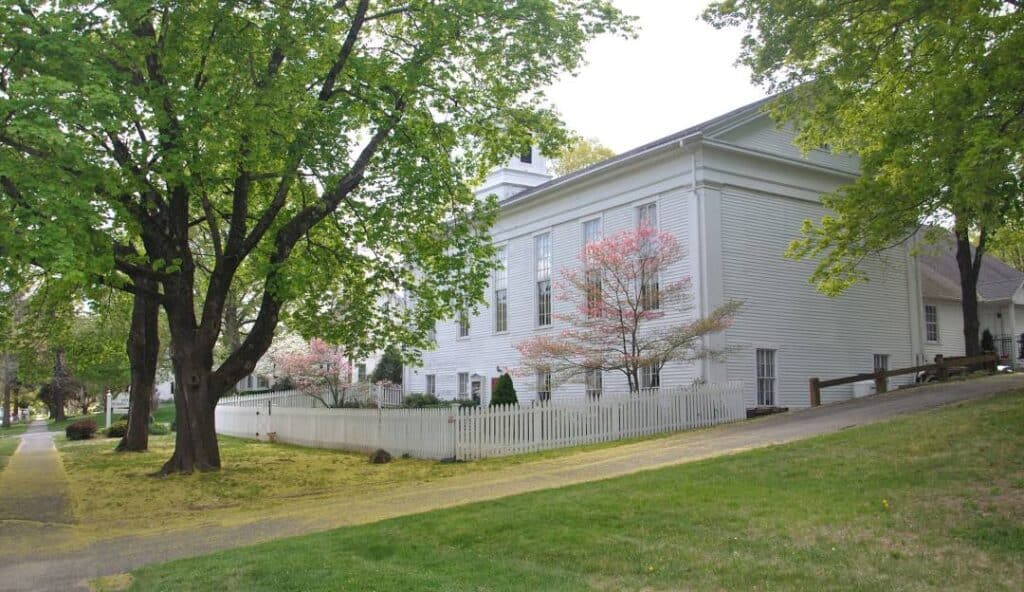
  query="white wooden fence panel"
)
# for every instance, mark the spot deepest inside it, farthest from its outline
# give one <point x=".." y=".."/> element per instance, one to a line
<point x="502" y="430"/>
<point x="423" y="433"/>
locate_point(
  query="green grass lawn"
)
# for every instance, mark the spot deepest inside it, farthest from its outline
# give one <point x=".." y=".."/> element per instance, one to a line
<point x="7" y="448"/>
<point x="929" y="502"/>
<point x="16" y="429"/>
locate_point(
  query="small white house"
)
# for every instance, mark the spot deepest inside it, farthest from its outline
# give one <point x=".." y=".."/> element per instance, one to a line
<point x="734" y="190"/>
<point x="1000" y="304"/>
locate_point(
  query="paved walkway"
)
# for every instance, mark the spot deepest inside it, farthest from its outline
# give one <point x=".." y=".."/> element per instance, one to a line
<point x="34" y="487"/>
<point x="65" y="569"/>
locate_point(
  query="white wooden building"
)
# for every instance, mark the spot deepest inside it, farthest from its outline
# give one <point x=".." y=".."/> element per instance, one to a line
<point x="735" y="191"/>
<point x="1000" y="304"/>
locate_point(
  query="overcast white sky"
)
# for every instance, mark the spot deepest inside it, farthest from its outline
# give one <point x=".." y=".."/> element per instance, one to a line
<point x="677" y="73"/>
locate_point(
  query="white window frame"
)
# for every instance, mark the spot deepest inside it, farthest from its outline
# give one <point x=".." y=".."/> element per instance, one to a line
<point x="766" y="396"/>
<point x="462" y="385"/>
<point x="462" y="325"/>
<point x="586" y="272"/>
<point x="541" y="276"/>
<point x="641" y="208"/>
<point x="543" y="385"/>
<point x="431" y="384"/>
<point x="583" y="230"/>
<point x="931" y="326"/>
<point x="883" y="358"/>
<point x="361" y="372"/>
<point x="499" y="285"/>
<point x="650" y="377"/>
<point x="644" y="282"/>
<point x="593" y="381"/>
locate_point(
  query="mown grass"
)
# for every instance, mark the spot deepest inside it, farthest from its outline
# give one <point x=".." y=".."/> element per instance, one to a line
<point x="7" y="447"/>
<point x="927" y="502"/>
<point x="257" y="478"/>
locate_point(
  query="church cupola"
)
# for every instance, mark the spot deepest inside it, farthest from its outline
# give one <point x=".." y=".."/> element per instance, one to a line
<point x="520" y="173"/>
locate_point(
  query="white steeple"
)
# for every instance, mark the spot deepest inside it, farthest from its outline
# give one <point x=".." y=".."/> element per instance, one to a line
<point x="518" y="174"/>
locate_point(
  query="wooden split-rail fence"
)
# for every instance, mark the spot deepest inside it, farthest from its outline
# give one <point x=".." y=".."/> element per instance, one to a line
<point x="941" y="369"/>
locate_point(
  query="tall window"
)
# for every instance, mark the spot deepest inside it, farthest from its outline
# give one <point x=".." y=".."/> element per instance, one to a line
<point x="527" y="156"/>
<point x="766" y="377"/>
<point x="431" y="384"/>
<point x="647" y="215"/>
<point x="650" y="377"/>
<point x="432" y="334"/>
<point x="463" y="324"/>
<point x="501" y="291"/>
<point x="592" y="233"/>
<point x="594" y="383"/>
<point x="542" y="255"/>
<point x="931" y="323"/>
<point x="881" y="362"/>
<point x="543" y="385"/>
<point x="463" y="385"/>
<point x="361" y="372"/>
<point x="650" y="292"/>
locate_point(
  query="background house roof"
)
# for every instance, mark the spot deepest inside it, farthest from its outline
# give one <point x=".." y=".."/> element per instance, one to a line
<point x="940" y="275"/>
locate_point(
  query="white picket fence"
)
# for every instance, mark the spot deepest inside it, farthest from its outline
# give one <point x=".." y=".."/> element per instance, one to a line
<point x="423" y="433"/>
<point x="503" y="430"/>
<point x="480" y="432"/>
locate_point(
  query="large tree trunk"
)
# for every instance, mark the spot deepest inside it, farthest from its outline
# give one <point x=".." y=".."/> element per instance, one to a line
<point x="143" y="353"/>
<point x="60" y="382"/>
<point x="9" y="377"/>
<point x="970" y="266"/>
<point x="195" y="443"/>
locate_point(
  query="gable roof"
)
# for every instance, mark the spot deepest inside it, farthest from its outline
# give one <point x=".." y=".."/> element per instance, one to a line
<point x="668" y="140"/>
<point x="940" y="275"/>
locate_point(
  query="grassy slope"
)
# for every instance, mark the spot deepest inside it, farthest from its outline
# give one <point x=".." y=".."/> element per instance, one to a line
<point x="934" y="501"/>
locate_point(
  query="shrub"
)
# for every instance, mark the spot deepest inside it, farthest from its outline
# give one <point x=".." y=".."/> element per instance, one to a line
<point x="468" y="403"/>
<point x="380" y="456"/>
<point x="81" y="430"/>
<point x="504" y="392"/>
<point x="159" y="429"/>
<point x="117" y="429"/>
<point x="418" y="400"/>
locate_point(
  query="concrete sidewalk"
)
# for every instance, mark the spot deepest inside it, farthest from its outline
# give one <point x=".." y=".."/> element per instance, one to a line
<point x="33" y="487"/>
<point x="66" y="569"/>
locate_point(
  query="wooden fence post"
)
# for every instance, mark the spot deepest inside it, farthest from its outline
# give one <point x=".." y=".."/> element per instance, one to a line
<point x="815" y="388"/>
<point x="881" y="384"/>
<point x="941" y="372"/>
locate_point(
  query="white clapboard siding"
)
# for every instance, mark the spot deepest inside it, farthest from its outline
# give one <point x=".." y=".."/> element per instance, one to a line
<point x="483" y="432"/>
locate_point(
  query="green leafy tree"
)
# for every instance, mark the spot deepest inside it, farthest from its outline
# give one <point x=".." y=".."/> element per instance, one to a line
<point x="504" y="391"/>
<point x="1007" y="243"/>
<point x="327" y="149"/>
<point x="389" y="367"/>
<point x="581" y="153"/>
<point x="927" y="94"/>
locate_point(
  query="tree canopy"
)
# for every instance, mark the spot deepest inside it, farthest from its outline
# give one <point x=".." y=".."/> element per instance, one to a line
<point x="580" y="153"/>
<point x="928" y="94"/>
<point x="327" y="149"/>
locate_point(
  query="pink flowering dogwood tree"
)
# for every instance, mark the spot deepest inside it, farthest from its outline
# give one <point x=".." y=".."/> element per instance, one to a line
<point x="619" y="305"/>
<point x="318" y="371"/>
